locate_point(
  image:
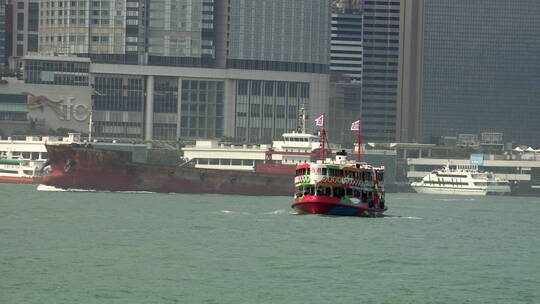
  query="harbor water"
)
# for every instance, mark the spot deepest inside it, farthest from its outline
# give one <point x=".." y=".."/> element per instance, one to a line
<point x="99" y="247"/>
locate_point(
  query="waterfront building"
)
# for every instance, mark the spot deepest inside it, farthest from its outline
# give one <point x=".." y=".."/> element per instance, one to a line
<point x="143" y="102"/>
<point x="55" y="94"/>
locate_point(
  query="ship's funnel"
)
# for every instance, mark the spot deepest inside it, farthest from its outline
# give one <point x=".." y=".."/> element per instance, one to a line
<point x="341" y="156"/>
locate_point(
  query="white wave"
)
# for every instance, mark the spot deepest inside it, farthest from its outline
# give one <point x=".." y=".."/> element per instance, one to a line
<point x="403" y="217"/>
<point x="42" y="187"/>
<point x="281" y="211"/>
<point x="454" y="199"/>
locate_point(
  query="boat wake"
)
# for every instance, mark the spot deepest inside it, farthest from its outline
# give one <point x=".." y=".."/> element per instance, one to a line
<point x="455" y="199"/>
<point x="280" y="211"/>
<point x="229" y="212"/>
<point x="46" y="188"/>
<point x="42" y="187"/>
<point x="403" y="217"/>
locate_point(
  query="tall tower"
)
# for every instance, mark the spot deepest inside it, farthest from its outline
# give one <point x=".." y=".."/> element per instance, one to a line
<point x="2" y="32"/>
<point x="181" y="33"/>
<point x="25" y="25"/>
<point x="381" y="46"/>
<point x="481" y="69"/>
<point x="346" y="43"/>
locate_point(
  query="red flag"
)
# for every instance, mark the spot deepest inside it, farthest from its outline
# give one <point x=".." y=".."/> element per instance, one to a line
<point x="355" y="126"/>
<point x="319" y="122"/>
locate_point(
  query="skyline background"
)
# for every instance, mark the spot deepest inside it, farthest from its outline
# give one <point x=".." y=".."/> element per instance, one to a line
<point x="412" y="71"/>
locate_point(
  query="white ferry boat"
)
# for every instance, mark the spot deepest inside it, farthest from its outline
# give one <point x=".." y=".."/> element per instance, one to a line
<point x="24" y="160"/>
<point x="461" y="180"/>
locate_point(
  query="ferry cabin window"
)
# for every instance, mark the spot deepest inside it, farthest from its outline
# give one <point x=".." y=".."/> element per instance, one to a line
<point x="324" y="190"/>
<point x="339" y="192"/>
<point x="349" y="192"/>
<point x="299" y="191"/>
<point x="356" y="193"/>
<point x="324" y="171"/>
<point x="309" y="190"/>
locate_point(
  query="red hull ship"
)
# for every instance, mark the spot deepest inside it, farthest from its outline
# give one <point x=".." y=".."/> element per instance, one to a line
<point x="20" y="180"/>
<point x="84" y="167"/>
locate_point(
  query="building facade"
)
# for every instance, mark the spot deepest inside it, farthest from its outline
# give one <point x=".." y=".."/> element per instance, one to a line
<point x="144" y="103"/>
<point x="3" y="41"/>
<point x="381" y="59"/>
<point x="346" y="43"/>
<point x="189" y="69"/>
<point x="278" y="35"/>
<point x="481" y="69"/>
<point x="25" y="27"/>
<point x="154" y="103"/>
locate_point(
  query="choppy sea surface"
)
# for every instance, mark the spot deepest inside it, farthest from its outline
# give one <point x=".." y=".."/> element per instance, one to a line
<point x="99" y="247"/>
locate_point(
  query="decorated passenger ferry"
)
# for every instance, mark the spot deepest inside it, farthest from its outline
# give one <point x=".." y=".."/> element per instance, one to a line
<point x="339" y="186"/>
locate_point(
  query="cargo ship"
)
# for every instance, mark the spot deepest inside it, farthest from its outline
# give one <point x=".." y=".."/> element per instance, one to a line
<point x="79" y="166"/>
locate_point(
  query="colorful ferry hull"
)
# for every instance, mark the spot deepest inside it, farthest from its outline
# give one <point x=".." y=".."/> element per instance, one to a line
<point x="78" y="167"/>
<point x="334" y="206"/>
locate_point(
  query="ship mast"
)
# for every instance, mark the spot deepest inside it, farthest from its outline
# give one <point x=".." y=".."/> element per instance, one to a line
<point x="90" y="126"/>
<point x="323" y="138"/>
<point x="302" y="120"/>
<point x="359" y="137"/>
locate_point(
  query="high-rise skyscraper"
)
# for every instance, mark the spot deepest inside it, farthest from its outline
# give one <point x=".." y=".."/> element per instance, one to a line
<point x="381" y="57"/>
<point x="278" y="35"/>
<point x="346" y="41"/>
<point x="25" y="26"/>
<point x="481" y="69"/>
<point x="2" y="32"/>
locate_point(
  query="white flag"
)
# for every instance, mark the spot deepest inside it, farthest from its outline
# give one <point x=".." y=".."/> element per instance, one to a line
<point x="355" y="126"/>
<point x="319" y="122"/>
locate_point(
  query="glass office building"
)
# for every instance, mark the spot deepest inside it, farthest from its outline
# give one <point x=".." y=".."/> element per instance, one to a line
<point x="181" y="32"/>
<point x="3" y="31"/>
<point x="280" y="35"/>
<point x="381" y="32"/>
<point x="481" y="69"/>
<point x="267" y="109"/>
<point x="346" y="44"/>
